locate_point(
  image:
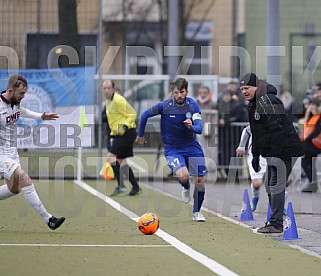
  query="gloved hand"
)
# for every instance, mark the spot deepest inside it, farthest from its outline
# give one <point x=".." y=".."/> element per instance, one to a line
<point x="256" y="163"/>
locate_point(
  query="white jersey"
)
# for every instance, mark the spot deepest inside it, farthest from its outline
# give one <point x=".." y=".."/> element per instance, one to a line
<point x="9" y="115"/>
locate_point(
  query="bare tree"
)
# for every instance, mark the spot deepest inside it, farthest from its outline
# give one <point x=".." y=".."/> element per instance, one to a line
<point x="186" y="12"/>
<point x="130" y="9"/>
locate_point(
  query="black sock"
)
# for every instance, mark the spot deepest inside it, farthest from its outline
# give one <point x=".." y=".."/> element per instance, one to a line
<point x="127" y="171"/>
<point x="185" y="185"/>
<point x="198" y="199"/>
<point x="119" y="177"/>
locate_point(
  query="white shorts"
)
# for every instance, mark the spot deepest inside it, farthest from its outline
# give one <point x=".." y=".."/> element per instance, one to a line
<point x="253" y="174"/>
<point x="8" y="164"/>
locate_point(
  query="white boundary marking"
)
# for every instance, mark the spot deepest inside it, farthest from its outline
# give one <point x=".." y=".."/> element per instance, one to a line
<point x="202" y="259"/>
<point x="83" y="245"/>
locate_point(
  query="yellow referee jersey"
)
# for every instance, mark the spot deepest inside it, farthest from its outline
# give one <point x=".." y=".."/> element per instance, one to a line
<point x="119" y="113"/>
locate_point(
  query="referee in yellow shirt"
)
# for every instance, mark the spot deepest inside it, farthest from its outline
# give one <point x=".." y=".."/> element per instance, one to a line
<point x="121" y="118"/>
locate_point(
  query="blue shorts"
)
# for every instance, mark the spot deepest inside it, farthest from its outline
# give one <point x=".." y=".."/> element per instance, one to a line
<point x="190" y="156"/>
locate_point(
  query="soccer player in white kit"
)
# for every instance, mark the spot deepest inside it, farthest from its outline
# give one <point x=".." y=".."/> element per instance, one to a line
<point x="18" y="180"/>
<point x="245" y="148"/>
<point x="256" y="177"/>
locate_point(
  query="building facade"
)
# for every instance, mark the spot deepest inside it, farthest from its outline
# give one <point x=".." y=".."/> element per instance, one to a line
<point x="30" y="29"/>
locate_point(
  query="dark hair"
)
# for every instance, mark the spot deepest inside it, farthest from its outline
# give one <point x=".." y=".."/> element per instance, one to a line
<point x="179" y="83"/>
<point x="16" y="80"/>
<point x="316" y="101"/>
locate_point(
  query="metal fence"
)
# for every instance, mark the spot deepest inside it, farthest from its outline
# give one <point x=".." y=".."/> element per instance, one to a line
<point x="25" y="21"/>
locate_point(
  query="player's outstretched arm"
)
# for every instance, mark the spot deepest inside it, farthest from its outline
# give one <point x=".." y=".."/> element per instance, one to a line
<point x="36" y="115"/>
<point x="49" y="116"/>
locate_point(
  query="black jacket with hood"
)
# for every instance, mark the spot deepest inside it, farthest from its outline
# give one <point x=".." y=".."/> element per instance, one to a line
<point x="273" y="134"/>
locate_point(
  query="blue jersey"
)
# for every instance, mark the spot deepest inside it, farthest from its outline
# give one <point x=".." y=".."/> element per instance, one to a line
<point x="173" y="130"/>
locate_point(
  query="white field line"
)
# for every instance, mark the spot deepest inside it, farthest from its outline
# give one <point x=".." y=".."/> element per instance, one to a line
<point x="83" y="245"/>
<point x="303" y="250"/>
<point x="202" y="259"/>
<point x="203" y="208"/>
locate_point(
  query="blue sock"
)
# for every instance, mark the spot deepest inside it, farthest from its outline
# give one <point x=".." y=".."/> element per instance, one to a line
<point x="198" y="199"/>
<point x="185" y="185"/>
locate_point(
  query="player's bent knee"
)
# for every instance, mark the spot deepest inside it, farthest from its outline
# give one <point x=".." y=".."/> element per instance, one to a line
<point x="16" y="189"/>
<point x="184" y="178"/>
<point x="23" y="179"/>
<point x="257" y="183"/>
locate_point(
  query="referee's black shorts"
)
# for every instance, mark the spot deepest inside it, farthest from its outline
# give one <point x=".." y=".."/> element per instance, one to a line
<point x="122" y="146"/>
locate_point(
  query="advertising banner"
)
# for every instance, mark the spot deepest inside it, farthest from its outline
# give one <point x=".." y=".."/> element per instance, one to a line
<point x="69" y="92"/>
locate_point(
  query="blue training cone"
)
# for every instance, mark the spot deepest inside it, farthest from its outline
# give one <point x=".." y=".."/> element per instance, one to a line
<point x="290" y="231"/>
<point x="246" y="213"/>
<point x="269" y="211"/>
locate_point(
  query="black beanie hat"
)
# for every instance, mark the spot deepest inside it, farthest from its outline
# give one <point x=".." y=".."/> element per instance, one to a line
<point x="249" y="79"/>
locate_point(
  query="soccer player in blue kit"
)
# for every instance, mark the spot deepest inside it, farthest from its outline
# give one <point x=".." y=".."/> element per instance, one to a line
<point x="180" y="122"/>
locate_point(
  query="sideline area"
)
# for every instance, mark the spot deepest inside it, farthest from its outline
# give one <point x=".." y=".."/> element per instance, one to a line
<point x="204" y="260"/>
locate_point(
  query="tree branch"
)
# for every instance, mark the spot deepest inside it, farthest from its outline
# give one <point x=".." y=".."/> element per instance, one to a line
<point x="203" y="19"/>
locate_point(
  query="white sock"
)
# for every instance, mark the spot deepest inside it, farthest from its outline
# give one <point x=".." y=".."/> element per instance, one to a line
<point x="5" y="192"/>
<point x="34" y="200"/>
<point x="255" y="192"/>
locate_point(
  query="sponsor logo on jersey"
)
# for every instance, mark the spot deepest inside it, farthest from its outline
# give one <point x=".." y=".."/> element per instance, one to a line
<point x="12" y="118"/>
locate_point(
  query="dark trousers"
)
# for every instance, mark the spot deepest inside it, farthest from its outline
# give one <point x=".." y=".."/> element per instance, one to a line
<point x="277" y="174"/>
<point x="308" y="161"/>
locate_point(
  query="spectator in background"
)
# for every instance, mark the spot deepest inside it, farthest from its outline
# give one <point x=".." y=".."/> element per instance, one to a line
<point x="209" y="118"/>
<point x="232" y="109"/>
<point x="287" y="100"/>
<point x="318" y="92"/>
<point x="204" y="98"/>
<point x="311" y="143"/>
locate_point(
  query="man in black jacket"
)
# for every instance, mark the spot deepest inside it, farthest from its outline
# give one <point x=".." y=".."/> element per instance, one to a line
<point x="273" y="137"/>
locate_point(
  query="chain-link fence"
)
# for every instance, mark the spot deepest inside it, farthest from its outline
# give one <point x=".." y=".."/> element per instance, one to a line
<point x="34" y="24"/>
